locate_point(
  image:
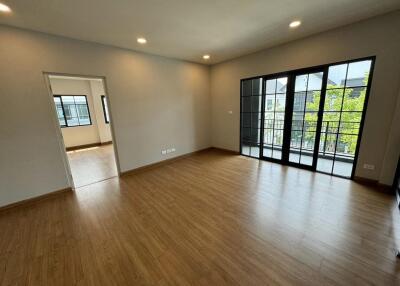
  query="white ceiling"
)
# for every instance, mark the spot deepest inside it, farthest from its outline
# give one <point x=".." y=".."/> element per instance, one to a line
<point x="187" y="29"/>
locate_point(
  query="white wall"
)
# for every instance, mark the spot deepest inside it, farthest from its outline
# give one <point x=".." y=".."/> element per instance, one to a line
<point x="378" y="36"/>
<point x="155" y="103"/>
<point x="104" y="130"/>
<point x="77" y="135"/>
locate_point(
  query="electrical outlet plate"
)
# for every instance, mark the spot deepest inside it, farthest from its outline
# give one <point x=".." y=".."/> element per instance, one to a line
<point x="369" y="166"/>
<point x="163" y="152"/>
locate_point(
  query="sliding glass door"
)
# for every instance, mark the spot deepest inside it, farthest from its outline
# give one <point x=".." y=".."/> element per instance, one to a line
<point x="274" y="117"/>
<point x="345" y="103"/>
<point x="251" y="101"/>
<point x="309" y="118"/>
<point x="305" y="117"/>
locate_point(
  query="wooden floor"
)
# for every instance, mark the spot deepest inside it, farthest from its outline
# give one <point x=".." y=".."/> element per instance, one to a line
<point x="209" y="219"/>
<point x="92" y="165"/>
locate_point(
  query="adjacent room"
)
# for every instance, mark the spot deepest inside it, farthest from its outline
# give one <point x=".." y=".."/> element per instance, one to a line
<point x="200" y="142"/>
<point x="84" y="120"/>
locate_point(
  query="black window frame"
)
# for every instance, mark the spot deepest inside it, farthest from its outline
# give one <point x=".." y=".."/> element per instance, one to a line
<point x="292" y="73"/>
<point x="103" y="103"/>
<point x="63" y="109"/>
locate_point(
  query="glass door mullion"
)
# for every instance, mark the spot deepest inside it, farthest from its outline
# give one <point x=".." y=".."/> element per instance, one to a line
<point x="320" y="117"/>
<point x="288" y="119"/>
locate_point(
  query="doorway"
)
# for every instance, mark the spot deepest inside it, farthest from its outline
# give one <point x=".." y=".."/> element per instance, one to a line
<point x="83" y="117"/>
<point x="310" y="118"/>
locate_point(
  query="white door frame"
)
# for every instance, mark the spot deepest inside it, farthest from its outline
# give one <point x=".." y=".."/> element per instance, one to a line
<point x="60" y="138"/>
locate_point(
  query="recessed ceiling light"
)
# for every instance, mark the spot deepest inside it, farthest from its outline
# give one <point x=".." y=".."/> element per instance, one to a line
<point x="141" y="40"/>
<point x="294" y="24"/>
<point x="206" y="57"/>
<point x="4" y="8"/>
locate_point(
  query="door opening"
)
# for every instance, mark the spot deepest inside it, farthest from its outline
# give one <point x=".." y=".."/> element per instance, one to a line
<point x="85" y="131"/>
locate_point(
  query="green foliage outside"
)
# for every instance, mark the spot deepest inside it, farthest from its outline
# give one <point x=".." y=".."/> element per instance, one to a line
<point x="349" y="121"/>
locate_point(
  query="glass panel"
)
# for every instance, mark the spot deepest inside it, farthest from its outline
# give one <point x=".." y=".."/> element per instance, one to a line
<point x="255" y="136"/>
<point x="280" y="102"/>
<point x="305" y="117"/>
<point x="349" y="128"/>
<point x="306" y="158"/>
<point x="269" y="102"/>
<point x="354" y="99"/>
<point x="246" y="120"/>
<point x="267" y="152"/>
<point x="296" y="139"/>
<point x="246" y="88"/>
<point x="246" y="134"/>
<point x="308" y="141"/>
<point x="281" y="85"/>
<point x="82" y="110"/>
<point x="344" y="157"/>
<point x="270" y="86"/>
<point x="313" y="98"/>
<point x="257" y="87"/>
<point x="349" y="116"/>
<point x="333" y="100"/>
<point x="297" y="125"/>
<point x="277" y="153"/>
<point x="60" y="112"/>
<point x="343" y="168"/>
<point x="299" y="101"/>
<point x="336" y="76"/>
<point x="278" y="137"/>
<point x="324" y="163"/>
<point x="105" y="107"/>
<point x="245" y="148"/>
<point x="301" y="83"/>
<point x="71" y="113"/>
<point x="275" y="105"/>
<point x="326" y="150"/>
<point x="256" y="104"/>
<point x="269" y="122"/>
<point x="268" y="135"/>
<point x="255" y="151"/>
<point x="315" y="81"/>
<point x="279" y="120"/>
<point x="255" y="120"/>
<point x="294" y="155"/>
<point x="310" y="121"/>
<point x="246" y="104"/>
<point x="358" y="73"/>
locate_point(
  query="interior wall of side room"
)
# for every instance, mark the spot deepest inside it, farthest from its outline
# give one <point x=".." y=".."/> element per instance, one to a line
<point x="99" y="131"/>
<point x="97" y="90"/>
<point x="154" y="102"/>
<point x="377" y="36"/>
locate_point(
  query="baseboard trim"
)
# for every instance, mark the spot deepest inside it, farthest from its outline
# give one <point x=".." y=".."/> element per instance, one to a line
<point x="161" y="163"/>
<point x="34" y="200"/>
<point x="226" y="150"/>
<point x="375" y="184"/>
<point x="73" y="148"/>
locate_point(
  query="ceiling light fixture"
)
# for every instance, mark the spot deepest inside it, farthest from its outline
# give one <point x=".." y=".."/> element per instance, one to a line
<point x="141" y="41"/>
<point x="294" y="24"/>
<point x="206" y="57"/>
<point x="4" y="8"/>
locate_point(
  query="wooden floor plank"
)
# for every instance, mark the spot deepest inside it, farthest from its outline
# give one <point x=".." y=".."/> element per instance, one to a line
<point x="209" y="219"/>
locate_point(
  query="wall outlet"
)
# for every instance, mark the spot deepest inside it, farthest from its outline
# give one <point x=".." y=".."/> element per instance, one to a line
<point x="173" y="150"/>
<point x="169" y="150"/>
<point x="230" y="112"/>
<point x="163" y="152"/>
<point x="369" y="166"/>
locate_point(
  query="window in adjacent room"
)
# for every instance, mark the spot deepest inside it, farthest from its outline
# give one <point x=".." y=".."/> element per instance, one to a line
<point x="72" y="110"/>
<point x="105" y="109"/>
